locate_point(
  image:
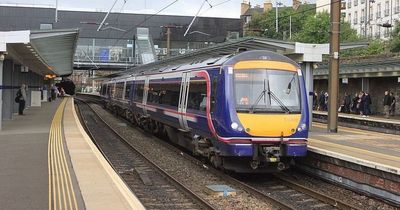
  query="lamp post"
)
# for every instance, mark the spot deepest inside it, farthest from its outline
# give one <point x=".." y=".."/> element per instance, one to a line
<point x="276" y="15"/>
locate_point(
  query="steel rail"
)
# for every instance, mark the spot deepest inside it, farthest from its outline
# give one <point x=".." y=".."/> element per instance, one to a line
<point x="205" y="204"/>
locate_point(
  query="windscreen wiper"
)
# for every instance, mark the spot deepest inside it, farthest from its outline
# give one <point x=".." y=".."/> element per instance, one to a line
<point x="258" y="99"/>
<point x="276" y="99"/>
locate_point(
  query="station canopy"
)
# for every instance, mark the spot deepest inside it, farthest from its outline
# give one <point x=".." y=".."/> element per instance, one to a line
<point x="42" y="51"/>
<point x="230" y="47"/>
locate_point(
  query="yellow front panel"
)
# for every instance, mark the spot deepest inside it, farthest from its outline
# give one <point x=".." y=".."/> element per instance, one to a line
<point x="260" y="64"/>
<point x="269" y="125"/>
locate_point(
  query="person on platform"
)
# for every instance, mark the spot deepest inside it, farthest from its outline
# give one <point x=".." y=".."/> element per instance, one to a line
<point x="392" y="104"/>
<point x="361" y="101"/>
<point x="321" y="101"/>
<point x="53" y="92"/>
<point x="315" y="100"/>
<point x="386" y="104"/>
<point x="347" y="103"/>
<point x="21" y="95"/>
<point x="354" y="106"/>
<point x="367" y="105"/>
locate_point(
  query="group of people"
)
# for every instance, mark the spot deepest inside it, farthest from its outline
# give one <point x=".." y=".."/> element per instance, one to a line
<point x="320" y="101"/>
<point x="389" y="104"/>
<point x="359" y="103"/>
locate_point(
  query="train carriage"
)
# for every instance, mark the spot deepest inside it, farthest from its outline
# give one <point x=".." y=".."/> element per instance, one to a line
<point x="246" y="112"/>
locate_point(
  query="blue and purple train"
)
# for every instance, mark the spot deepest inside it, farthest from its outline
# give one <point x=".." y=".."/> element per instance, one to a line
<point x="245" y="112"/>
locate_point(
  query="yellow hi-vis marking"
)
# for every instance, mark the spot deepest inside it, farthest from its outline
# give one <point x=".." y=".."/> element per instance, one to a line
<point x="61" y="191"/>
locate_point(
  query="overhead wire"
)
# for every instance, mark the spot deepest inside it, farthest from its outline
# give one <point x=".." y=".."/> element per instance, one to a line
<point x="139" y="24"/>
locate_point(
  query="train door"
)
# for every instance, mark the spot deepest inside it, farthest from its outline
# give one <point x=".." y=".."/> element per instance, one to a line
<point x="183" y="97"/>
<point x="145" y="93"/>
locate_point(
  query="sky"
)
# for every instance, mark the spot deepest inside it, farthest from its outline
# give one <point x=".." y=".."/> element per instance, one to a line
<point x="220" y="8"/>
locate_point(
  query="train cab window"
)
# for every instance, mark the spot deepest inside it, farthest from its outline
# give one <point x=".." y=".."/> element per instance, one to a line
<point x="128" y="88"/>
<point x="139" y="89"/>
<point x="197" y="99"/>
<point x="103" y="90"/>
<point x="119" y="88"/>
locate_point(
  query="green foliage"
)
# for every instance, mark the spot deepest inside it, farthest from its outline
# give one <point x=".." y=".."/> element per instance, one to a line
<point x="395" y="40"/>
<point x="316" y="30"/>
<point x="307" y="26"/>
<point x="264" y="24"/>
<point x="375" y="47"/>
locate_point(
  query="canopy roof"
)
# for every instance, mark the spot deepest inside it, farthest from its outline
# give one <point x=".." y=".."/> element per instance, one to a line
<point x="42" y="51"/>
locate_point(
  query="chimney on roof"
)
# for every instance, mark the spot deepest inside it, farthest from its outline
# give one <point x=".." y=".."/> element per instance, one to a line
<point x="267" y="5"/>
<point x="244" y="7"/>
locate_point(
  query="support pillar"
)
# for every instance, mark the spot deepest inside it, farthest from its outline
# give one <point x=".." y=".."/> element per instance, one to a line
<point x="307" y="68"/>
<point x="333" y="82"/>
<point x="1" y="90"/>
<point x="365" y="84"/>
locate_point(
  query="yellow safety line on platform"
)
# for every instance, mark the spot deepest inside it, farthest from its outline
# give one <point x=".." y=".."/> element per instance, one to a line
<point x="353" y="149"/>
<point x="61" y="191"/>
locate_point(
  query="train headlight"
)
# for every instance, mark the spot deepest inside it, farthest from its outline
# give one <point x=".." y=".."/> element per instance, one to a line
<point x="302" y="127"/>
<point x="234" y="126"/>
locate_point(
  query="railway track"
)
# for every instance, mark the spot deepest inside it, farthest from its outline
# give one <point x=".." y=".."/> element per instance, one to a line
<point x="278" y="189"/>
<point x="153" y="186"/>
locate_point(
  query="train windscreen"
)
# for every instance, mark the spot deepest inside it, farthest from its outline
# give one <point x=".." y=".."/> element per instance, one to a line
<point x="267" y="90"/>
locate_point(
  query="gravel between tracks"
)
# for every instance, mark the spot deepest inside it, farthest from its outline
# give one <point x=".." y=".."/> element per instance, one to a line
<point x="338" y="192"/>
<point x="194" y="176"/>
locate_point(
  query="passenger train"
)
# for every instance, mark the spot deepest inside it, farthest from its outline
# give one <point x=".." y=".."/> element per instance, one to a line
<point x="245" y="112"/>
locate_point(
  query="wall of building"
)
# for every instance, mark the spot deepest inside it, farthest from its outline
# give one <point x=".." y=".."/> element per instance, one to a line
<point x="377" y="87"/>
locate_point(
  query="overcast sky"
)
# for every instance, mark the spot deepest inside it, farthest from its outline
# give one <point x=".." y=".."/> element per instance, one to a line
<point x="221" y="8"/>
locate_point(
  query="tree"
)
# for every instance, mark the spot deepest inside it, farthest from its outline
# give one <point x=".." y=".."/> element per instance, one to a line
<point x="316" y="30"/>
<point x="375" y="47"/>
<point x="264" y="24"/>
<point x="395" y="40"/>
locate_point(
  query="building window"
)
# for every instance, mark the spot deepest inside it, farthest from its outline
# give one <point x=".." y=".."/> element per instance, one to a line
<point x="362" y="1"/>
<point x="362" y="16"/>
<point x="378" y="12"/>
<point x="386" y="8"/>
<point x="371" y="13"/>
<point x="355" y="18"/>
<point x="349" y="18"/>
<point x="386" y="33"/>
<point x="46" y="26"/>
<point x="397" y="7"/>
<point x="355" y="2"/>
<point x="349" y="4"/>
<point x="370" y="31"/>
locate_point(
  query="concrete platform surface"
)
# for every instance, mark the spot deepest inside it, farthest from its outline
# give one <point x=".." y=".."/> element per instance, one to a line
<point x="24" y="176"/>
<point x="48" y="162"/>
<point x="368" y="148"/>
<point x="373" y="118"/>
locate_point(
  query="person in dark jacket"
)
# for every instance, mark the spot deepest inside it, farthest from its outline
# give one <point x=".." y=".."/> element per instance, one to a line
<point x="21" y="94"/>
<point x="354" y="104"/>
<point x="361" y="102"/>
<point x="386" y="104"/>
<point x="392" y="104"/>
<point x="346" y="103"/>
<point x="367" y="104"/>
<point x="321" y="101"/>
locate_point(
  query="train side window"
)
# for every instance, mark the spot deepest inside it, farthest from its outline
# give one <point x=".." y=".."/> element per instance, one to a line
<point x="214" y="93"/>
<point x="197" y="95"/>
<point x="139" y="92"/>
<point x="128" y="90"/>
<point x="119" y="89"/>
<point x="169" y="94"/>
<point x="153" y="94"/>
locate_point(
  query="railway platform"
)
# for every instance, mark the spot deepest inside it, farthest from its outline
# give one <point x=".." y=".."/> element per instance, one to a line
<point x="363" y="160"/>
<point x="48" y="162"/>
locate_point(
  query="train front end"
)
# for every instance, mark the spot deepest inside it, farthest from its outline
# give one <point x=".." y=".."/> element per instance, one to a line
<point x="265" y="122"/>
